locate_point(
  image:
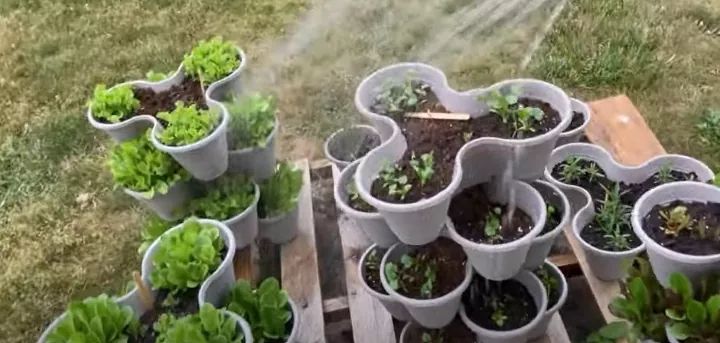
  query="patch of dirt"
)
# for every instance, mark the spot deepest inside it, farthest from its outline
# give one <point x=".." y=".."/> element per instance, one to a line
<point x="188" y="91"/>
<point x="507" y="299"/>
<point x="702" y="237"/>
<point x="455" y="332"/>
<point x="371" y="270"/>
<point x="577" y="120"/>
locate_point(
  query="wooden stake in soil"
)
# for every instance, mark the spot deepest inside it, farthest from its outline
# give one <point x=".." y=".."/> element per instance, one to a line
<point x="437" y="115"/>
<point x="146" y="296"/>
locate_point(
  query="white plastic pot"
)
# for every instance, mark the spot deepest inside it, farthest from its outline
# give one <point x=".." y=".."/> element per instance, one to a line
<point x="394" y="307"/>
<point x="257" y="162"/>
<point x="542" y="326"/>
<point x="574" y="135"/>
<point x="543" y="243"/>
<point x="168" y="206"/>
<point x="663" y="260"/>
<point x="372" y="223"/>
<point x="519" y="335"/>
<point x="503" y="261"/>
<point x="430" y="313"/>
<point x="342" y="147"/>
<point x="421" y="222"/>
<point x="609" y="265"/>
<point x="280" y="229"/>
<point x="244" y="226"/>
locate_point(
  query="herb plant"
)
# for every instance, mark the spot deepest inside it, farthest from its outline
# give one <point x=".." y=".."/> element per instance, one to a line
<point x="400" y="97"/>
<point x="551" y="283"/>
<point x="186" y="124"/>
<point x="493" y="226"/>
<point x="225" y="198"/>
<point x="185" y="257"/>
<point x="252" y="119"/>
<point x="279" y="194"/>
<point x="664" y="174"/>
<point x="432" y="338"/>
<point x="423" y="167"/>
<point x="613" y="218"/>
<point x="411" y="270"/>
<point x="136" y="164"/>
<point x="395" y="182"/>
<point x="266" y="309"/>
<point x="208" y="326"/>
<point x="522" y="119"/>
<point x="571" y="171"/>
<point x="96" y="319"/>
<point x="675" y="220"/>
<point x="113" y="105"/>
<point x="153" y="228"/>
<point x="211" y="60"/>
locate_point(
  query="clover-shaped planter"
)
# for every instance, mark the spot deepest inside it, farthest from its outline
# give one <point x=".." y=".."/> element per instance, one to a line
<point x="543" y="243"/>
<point x="371" y="223"/>
<point x="519" y="335"/>
<point x="244" y="226"/>
<point x="663" y="260"/>
<point x="394" y="307"/>
<point x="257" y="162"/>
<point x="168" y="206"/>
<point x="608" y="265"/>
<point x="430" y="313"/>
<point x="282" y="228"/>
<point x="421" y="222"/>
<point x="350" y="144"/>
<point x="503" y="261"/>
<point x="542" y="326"/>
<point x="574" y="135"/>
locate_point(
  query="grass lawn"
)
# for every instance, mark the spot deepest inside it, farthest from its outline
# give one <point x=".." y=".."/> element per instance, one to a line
<point x="66" y="234"/>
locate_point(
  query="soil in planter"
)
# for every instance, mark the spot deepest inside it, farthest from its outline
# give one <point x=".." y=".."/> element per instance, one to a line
<point x="469" y="213"/>
<point x="371" y="270"/>
<point x="491" y="303"/>
<point x="368" y="142"/>
<point x="594" y="186"/>
<point x="188" y="91"/>
<point x="355" y="201"/>
<point x="455" y="332"/>
<point x="491" y="125"/>
<point x="702" y="239"/>
<point x="633" y="192"/>
<point x="449" y="261"/>
<point x="551" y="282"/>
<point x="577" y="120"/>
<point x="553" y="218"/>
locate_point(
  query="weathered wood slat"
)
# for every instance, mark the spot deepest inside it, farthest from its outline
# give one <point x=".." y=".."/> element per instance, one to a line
<point x="370" y="321"/>
<point x="556" y="332"/>
<point x="299" y="264"/>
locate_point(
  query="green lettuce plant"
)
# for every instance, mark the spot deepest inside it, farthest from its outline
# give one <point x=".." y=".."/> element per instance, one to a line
<point x="401" y="275"/>
<point x="252" y="119"/>
<point x="211" y="60"/>
<point x="266" y="309"/>
<point x="155" y="76"/>
<point x="510" y="111"/>
<point x="154" y="227"/>
<point x="225" y="198"/>
<point x="693" y="320"/>
<point x="185" y="257"/>
<point x="186" y="124"/>
<point x="113" y="105"/>
<point x="279" y="194"/>
<point x="96" y="319"/>
<point x="137" y="165"/>
<point x="210" y="325"/>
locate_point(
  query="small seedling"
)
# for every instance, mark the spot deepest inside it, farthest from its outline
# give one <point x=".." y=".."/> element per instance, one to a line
<point x="395" y="183"/>
<point x="613" y="218"/>
<point x="467" y="136"/>
<point x="549" y="281"/>
<point x="113" y="105"/>
<point x="413" y="270"/>
<point x="526" y="117"/>
<point x="506" y="106"/>
<point x="355" y="200"/>
<point x="502" y="104"/>
<point x="593" y="172"/>
<point x="499" y="317"/>
<point x="423" y="167"/>
<point x="676" y="219"/>
<point x="571" y="171"/>
<point x="664" y="174"/>
<point x="372" y="262"/>
<point x="399" y="97"/>
<point x="493" y="225"/>
<point x="432" y="338"/>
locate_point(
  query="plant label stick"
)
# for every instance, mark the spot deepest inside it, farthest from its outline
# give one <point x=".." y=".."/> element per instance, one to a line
<point x="436" y="115"/>
<point x="146" y="296"/>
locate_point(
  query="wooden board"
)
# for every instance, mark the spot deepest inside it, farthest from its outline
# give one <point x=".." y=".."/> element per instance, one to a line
<point x="556" y="332"/>
<point x="299" y="263"/>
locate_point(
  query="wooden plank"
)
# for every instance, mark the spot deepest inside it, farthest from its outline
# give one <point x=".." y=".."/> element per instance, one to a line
<point x="556" y="332"/>
<point x="335" y="304"/>
<point x="244" y="264"/>
<point x="563" y="260"/>
<point x="370" y="321"/>
<point x="619" y="127"/>
<point x="300" y="268"/>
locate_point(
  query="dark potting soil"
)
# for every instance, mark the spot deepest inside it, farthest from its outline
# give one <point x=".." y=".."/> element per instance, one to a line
<point x="553" y="218"/>
<point x="449" y="261"/>
<point x="469" y="211"/>
<point x="551" y="283"/>
<point x="633" y="192"/>
<point x="702" y="239"/>
<point x="350" y="154"/>
<point x="594" y="186"/>
<point x="577" y="119"/>
<point x="507" y="299"/>
<point x="371" y="270"/>
<point x="188" y="91"/>
<point x="455" y="332"/>
<point x="361" y="205"/>
<point x="492" y="126"/>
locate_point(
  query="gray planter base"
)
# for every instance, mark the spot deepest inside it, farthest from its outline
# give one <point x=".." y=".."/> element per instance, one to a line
<point x="280" y="229"/>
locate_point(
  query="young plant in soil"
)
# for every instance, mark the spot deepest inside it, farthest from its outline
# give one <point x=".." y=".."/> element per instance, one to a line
<point x="96" y="319"/>
<point x="136" y="165"/>
<point x="455" y="332"/>
<point x="610" y="228"/>
<point x="551" y="283"/>
<point x="266" y="309"/>
<point x="113" y="105"/>
<point x="429" y="271"/>
<point x="522" y="119"/>
<point x="553" y="218"/>
<point x="252" y="119"/>
<point x="693" y="320"/>
<point x="394" y="182"/>
<point x="153" y="228"/>
<point x="398" y="97"/>
<point x="574" y="170"/>
<point x="207" y="326"/>
<point x="577" y="120"/>
<point x="354" y="199"/>
<point x="689" y="228"/>
<point x="279" y="194"/>
<point x="371" y="270"/>
<point x="187" y="124"/>
<point x="499" y="305"/>
<point x="225" y="198"/>
<point x="423" y="167"/>
<point x="211" y="60"/>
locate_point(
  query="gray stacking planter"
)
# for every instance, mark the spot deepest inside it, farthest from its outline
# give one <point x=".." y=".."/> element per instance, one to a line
<point x="421" y="222"/>
<point x="257" y="162"/>
<point x="244" y="226"/>
<point x="609" y="265"/>
<point x="430" y="313"/>
<point x="503" y="261"/>
<point x="168" y="206"/>
<point x="394" y="307"/>
<point x="372" y="223"/>
<point x="542" y="327"/>
<point x="519" y="335"/>
<point x="543" y="243"/>
<point x="574" y="135"/>
<point x="663" y="260"/>
<point x="280" y="229"/>
<point x="350" y="144"/>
